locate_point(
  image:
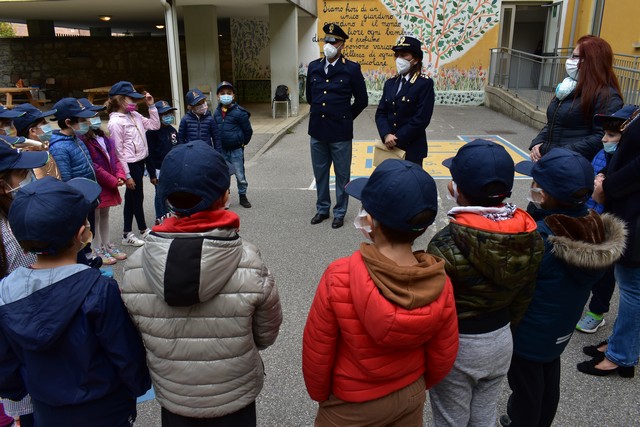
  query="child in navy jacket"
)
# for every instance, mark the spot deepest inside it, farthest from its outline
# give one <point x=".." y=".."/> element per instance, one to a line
<point x="65" y="335"/>
<point x="235" y="132"/>
<point x="198" y="123"/>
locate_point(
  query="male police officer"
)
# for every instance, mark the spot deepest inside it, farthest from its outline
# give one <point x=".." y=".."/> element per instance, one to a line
<point x="331" y="82"/>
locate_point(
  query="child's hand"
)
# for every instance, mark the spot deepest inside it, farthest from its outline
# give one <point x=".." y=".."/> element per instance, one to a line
<point x="598" y="192"/>
<point x="120" y="182"/>
<point x="149" y="98"/>
<point x="131" y="184"/>
<point x="154" y="181"/>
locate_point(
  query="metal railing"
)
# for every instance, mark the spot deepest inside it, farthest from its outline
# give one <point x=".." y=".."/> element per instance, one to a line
<point x="534" y="78"/>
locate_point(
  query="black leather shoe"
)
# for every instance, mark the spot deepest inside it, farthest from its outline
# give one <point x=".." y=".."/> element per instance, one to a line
<point x="318" y="218"/>
<point x="589" y="367"/>
<point x="337" y="223"/>
<point x="592" y="350"/>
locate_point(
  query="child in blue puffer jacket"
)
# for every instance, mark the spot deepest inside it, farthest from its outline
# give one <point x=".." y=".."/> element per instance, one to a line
<point x="235" y="132"/>
<point x="198" y="123"/>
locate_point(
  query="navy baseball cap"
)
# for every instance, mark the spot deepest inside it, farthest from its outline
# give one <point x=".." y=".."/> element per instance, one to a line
<point x="396" y="192"/>
<point x="52" y="211"/>
<point x="333" y="32"/>
<point x="164" y="106"/>
<point x="126" y="89"/>
<point x="85" y="102"/>
<point x="5" y="113"/>
<point x="561" y="173"/>
<point x="225" y="84"/>
<point x="194" y="96"/>
<point x="12" y="140"/>
<point x="68" y="108"/>
<point x="621" y="115"/>
<point x="479" y="163"/>
<point x="12" y="158"/>
<point x="31" y="115"/>
<point x="194" y="168"/>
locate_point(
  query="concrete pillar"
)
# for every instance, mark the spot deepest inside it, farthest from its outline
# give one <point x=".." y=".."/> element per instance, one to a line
<point x="40" y="28"/>
<point x="201" y="37"/>
<point x="283" y="35"/>
<point x="100" y="31"/>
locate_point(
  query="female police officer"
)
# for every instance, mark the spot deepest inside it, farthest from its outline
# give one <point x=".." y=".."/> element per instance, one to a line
<point x="406" y="105"/>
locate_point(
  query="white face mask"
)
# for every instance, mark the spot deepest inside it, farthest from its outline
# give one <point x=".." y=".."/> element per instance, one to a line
<point x="361" y="224"/>
<point x="402" y="65"/>
<point x="535" y="191"/>
<point x="453" y="198"/>
<point x="330" y="50"/>
<point x="201" y="109"/>
<point x="571" y="66"/>
<point x="26" y="181"/>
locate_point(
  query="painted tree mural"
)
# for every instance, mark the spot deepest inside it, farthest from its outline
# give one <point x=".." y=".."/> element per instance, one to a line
<point x="447" y="27"/>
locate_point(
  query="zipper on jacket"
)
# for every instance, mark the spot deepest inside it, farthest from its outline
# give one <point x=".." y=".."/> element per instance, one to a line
<point x="95" y="178"/>
<point x="553" y="122"/>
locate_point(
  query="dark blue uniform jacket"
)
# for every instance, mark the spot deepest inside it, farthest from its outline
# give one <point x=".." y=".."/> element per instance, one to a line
<point x="329" y="96"/>
<point x="407" y="114"/>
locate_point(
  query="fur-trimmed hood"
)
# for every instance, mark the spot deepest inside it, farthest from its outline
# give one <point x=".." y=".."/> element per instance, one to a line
<point x="593" y="241"/>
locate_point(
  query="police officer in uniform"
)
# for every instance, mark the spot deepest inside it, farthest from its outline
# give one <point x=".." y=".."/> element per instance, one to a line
<point x="331" y="82"/>
<point x="406" y="105"/>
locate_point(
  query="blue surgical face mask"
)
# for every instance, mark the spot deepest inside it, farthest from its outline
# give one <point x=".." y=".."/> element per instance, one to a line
<point x="83" y="128"/>
<point x="168" y="119"/>
<point x="610" y="147"/>
<point x="95" y="122"/>
<point x="226" y="99"/>
<point x="47" y="130"/>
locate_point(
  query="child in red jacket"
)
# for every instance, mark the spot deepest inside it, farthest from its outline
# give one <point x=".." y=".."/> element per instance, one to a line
<point x="382" y="327"/>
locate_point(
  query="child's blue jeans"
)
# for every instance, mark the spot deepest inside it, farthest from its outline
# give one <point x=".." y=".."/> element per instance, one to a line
<point x="236" y="159"/>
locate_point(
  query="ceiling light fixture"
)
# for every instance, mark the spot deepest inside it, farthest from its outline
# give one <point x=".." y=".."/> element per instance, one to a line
<point x="160" y="26"/>
<point x="105" y="18"/>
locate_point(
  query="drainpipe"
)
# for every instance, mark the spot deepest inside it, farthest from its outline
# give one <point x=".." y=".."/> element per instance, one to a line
<point x="173" y="48"/>
<point x="576" y="5"/>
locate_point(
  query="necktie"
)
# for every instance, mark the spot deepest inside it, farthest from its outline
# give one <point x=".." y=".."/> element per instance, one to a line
<point x="402" y="82"/>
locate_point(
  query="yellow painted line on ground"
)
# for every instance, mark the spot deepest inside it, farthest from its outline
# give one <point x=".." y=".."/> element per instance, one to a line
<point x="362" y="157"/>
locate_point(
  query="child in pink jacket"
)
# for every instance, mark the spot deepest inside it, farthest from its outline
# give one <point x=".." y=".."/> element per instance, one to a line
<point x="127" y="128"/>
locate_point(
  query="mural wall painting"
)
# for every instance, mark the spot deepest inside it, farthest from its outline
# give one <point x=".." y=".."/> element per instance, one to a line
<point x="448" y="29"/>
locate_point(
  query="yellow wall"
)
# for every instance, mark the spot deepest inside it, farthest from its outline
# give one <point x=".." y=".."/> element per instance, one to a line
<point x="620" y="26"/>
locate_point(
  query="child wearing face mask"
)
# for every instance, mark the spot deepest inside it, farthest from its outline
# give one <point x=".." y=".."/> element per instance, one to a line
<point x="198" y="124"/>
<point x="235" y="132"/>
<point x="602" y="291"/>
<point x="491" y="252"/>
<point x="65" y="335"/>
<point x="15" y="172"/>
<point x="579" y="245"/>
<point x="33" y="125"/>
<point x="127" y="129"/>
<point x="161" y="141"/>
<point x="110" y="176"/>
<point x="382" y="327"/>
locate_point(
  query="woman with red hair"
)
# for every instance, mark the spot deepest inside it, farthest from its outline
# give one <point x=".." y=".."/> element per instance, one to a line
<point x="590" y="88"/>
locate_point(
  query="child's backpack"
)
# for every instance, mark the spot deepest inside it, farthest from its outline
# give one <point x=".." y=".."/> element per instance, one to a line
<point x="282" y="93"/>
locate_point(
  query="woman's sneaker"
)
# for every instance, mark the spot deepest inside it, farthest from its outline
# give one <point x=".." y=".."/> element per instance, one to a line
<point x="115" y="252"/>
<point x="132" y="240"/>
<point x="590" y="323"/>
<point x="107" y="259"/>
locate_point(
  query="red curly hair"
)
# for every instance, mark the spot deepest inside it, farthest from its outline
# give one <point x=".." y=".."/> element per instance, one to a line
<point x="595" y="73"/>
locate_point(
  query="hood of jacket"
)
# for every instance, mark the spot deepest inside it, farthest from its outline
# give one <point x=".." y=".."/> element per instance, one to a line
<point x="37" y="321"/>
<point x="383" y="298"/>
<point x="502" y="251"/>
<point x="592" y="242"/>
<point x="189" y="260"/>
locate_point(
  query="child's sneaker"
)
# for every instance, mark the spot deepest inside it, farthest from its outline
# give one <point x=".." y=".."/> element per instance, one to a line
<point x="132" y="240"/>
<point x="144" y="234"/>
<point x="115" y="252"/>
<point x="590" y="322"/>
<point x="107" y="259"/>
